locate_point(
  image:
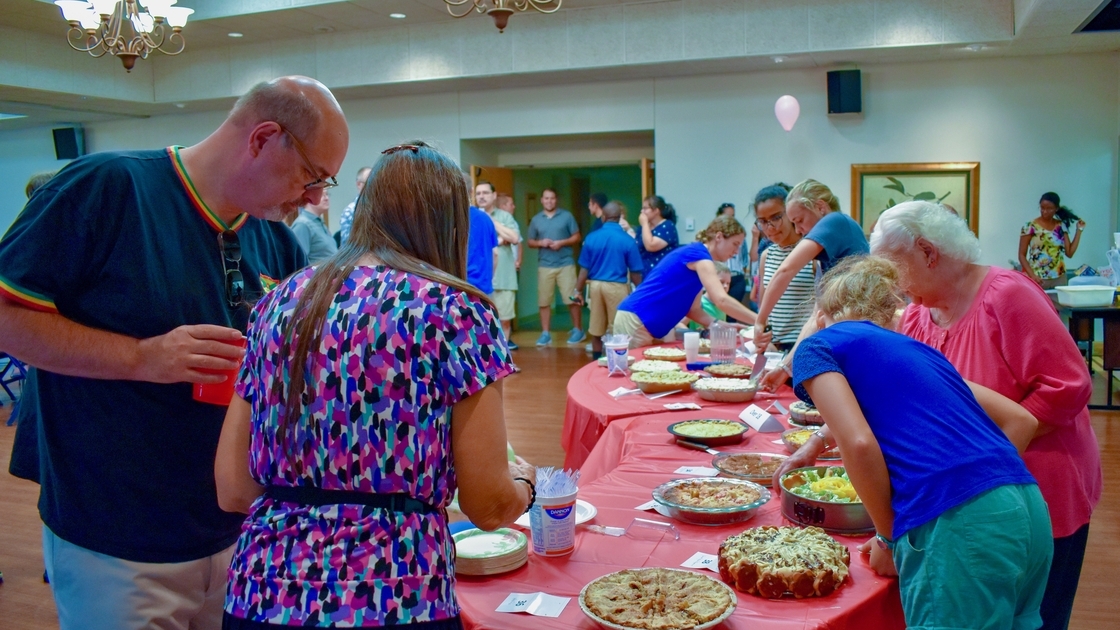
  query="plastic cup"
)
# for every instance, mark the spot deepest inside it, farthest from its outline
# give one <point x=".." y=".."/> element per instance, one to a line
<point x="552" y="524"/>
<point x="617" y="349"/>
<point x="219" y="393"/>
<point x="692" y="346"/>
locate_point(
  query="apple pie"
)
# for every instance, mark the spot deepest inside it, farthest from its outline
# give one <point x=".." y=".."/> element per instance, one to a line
<point x="729" y="370"/>
<point x="657" y="599"/>
<point x="772" y="561"/>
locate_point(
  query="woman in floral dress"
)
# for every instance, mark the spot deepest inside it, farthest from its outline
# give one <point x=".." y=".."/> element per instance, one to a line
<point x="370" y="392"/>
<point x="1045" y="242"/>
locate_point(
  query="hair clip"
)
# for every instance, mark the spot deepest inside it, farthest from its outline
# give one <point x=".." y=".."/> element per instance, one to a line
<point x="401" y="147"/>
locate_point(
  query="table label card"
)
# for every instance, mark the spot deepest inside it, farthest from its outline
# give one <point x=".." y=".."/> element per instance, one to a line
<point x="760" y="420"/>
<point x="540" y="604"/>
<point x="648" y="505"/>
<point x="697" y="471"/>
<point x="622" y="391"/>
<point x="701" y="560"/>
<point x="682" y="406"/>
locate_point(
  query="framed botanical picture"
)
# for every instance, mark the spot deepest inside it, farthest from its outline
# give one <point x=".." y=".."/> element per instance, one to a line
<point x="876" y="187"/>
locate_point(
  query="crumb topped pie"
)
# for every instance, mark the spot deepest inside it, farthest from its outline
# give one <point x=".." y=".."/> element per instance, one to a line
<point x="773" y="561"/>
<point x="657" y="599"/>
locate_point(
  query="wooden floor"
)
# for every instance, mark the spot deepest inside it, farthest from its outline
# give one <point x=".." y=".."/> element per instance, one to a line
<point x="534" y="414"/>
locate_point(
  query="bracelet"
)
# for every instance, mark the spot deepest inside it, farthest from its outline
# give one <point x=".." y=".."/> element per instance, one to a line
<point x="532" y="493"/>
<point x="886" y="544"/>
<point x="820" y="433"/>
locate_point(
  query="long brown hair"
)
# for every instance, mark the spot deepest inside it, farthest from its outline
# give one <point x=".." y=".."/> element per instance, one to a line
<point x="413" y="215"/>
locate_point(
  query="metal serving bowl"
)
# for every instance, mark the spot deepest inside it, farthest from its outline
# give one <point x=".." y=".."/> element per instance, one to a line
<point x="711" y="516"/>
<point x="838" y="518"/>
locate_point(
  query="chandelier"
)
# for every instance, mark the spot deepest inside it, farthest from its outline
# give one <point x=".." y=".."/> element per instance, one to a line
<point x="124" y="28"/>
<point x="500" y="10"/>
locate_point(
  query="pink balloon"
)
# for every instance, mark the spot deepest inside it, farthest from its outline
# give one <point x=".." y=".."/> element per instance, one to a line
<point x="787" y="109"/>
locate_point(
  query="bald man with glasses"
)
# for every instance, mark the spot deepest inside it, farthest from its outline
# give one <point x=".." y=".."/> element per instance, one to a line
<point x="125" y="280"/>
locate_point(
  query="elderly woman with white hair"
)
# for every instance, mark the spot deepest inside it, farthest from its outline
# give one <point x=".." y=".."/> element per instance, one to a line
<point x="1000" y="330"/>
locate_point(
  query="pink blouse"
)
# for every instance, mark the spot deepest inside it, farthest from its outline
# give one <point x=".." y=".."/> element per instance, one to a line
<point x="1012" y="341"/>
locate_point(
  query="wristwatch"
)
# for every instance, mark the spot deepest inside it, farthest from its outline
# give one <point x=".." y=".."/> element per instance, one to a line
<point x="824" y="438"/>
<point x="886" y="544"/>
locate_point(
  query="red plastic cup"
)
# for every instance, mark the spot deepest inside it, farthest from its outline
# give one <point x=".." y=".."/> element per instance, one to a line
<point x="219" y="393"/>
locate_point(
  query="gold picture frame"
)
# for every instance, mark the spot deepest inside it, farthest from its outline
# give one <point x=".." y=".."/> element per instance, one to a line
<point x="876" y="187"/>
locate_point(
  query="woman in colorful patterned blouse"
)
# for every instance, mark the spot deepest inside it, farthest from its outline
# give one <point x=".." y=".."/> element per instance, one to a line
<point x="369" y="394"/>
<point x="1046" y="241"/>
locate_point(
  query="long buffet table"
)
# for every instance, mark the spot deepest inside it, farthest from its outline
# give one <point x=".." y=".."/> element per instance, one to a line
<point x="635" y="454"/>
<point x="591" y="409"/>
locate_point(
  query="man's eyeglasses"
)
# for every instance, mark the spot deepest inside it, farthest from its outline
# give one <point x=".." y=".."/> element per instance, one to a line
<point x="319" y="183"/>
<point x="773" y="221"/>
<point x="231" y="267"/>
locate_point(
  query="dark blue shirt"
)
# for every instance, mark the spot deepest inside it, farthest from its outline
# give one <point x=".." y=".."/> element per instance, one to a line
<point x="940" y="447"/>
<point x="609" y="253"/>
<point x="840" y="236"/>
<point x="666" y="295"/>
<point x="667" y="231"/>
<point x="481" y="242"/>
<point x="121" y="242"/>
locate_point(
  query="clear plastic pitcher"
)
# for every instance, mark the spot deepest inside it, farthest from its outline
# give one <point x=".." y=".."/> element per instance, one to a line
<point x="725" y="341"/>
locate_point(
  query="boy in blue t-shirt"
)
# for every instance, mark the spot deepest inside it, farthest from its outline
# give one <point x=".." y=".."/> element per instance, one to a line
<point x="932" y="457"/>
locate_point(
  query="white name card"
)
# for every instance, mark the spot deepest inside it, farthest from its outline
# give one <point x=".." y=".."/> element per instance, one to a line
<point x="701" y="560"/>
<point x="540" y="604"/>
<point x="760" y="420"/>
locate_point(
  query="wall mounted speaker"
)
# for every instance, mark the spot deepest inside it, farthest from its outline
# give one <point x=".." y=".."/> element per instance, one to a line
<point x="69" y="142"/>
<point x="845" y="92"/>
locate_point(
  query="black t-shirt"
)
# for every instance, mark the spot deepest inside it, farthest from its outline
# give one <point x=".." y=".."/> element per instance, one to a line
<point x="122" y="242"/>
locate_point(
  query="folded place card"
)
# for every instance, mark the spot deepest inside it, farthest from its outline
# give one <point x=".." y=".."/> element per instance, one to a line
<point x="701" y="560"/>
<point x="682" y="406"/>
<point x="648" y="505"/>
<point x="697" y="471"/>
<point x="623" y="391"/>
<point x="540" y="604"/>
<point x="760" y="420"/>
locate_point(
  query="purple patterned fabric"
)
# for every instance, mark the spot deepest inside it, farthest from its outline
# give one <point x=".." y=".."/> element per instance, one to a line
<point x="398" y="351"/>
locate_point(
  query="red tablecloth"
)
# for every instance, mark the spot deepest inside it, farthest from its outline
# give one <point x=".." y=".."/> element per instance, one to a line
<point x="646" y="457"/>
<point x="591" y="408"/>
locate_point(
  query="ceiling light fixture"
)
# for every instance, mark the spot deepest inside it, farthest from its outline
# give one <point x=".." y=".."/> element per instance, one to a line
<point x="125" y="28"/>
<point x="236" y="35"/>
<point x="397" y="16"/>
<point x="975" y="47"/>
<point x="779" y="58"/>
<point x="500" y="10"/>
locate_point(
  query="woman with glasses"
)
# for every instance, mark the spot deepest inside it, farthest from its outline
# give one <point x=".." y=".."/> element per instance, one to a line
<point x="830" y="236"/>
<point x="370" y="392"/>
<point x="795" y="306"/>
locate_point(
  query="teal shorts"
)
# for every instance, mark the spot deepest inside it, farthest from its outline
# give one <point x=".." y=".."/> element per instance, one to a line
<point x="982" y="564"/>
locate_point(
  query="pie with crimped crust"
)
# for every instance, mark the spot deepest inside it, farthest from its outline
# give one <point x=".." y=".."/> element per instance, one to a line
<point x="657" y="599"/>
<point x="772" y="561"/>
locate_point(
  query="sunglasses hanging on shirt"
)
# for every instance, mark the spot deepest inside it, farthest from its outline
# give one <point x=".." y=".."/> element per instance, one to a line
<point x="230" y="246"/>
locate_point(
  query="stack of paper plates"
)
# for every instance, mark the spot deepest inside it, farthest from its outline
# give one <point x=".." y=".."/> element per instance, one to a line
<point x="490" y="553"/>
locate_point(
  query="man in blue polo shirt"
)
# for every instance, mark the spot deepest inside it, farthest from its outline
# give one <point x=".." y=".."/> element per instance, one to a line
<point x="607" y="255"/>
<point x="119" y="282"/>
<point x="481" y="257"/>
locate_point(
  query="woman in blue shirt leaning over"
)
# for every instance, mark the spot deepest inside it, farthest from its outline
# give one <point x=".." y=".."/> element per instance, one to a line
<point x="672" y="289"/>
<point x="932" y="457"/>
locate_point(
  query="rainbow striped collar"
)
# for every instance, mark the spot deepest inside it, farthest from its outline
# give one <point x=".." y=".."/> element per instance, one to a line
<point x="212" y="219"/>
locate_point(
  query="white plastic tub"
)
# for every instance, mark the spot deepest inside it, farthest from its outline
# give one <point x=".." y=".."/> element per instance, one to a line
<point x="1085" y="296"/>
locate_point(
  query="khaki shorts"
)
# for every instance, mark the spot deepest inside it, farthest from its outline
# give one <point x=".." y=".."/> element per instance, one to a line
<point x="627" y="323"/>
<point x="603" y="302"/>
<point x="506" y="303"/>
<point x="548" y="278"/>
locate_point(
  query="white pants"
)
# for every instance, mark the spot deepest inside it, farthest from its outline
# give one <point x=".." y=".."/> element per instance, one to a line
<point x="94" y="591"/>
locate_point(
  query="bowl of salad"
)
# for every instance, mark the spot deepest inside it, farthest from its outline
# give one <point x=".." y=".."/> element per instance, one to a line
<point x="823" y="496"/>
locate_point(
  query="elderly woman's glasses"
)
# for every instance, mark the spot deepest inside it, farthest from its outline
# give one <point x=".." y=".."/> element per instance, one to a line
<point x="773" y="221"/>
<point x="319" y="183"/>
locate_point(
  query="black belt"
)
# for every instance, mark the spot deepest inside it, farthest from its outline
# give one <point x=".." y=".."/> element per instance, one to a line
<point x="305" y="495"/>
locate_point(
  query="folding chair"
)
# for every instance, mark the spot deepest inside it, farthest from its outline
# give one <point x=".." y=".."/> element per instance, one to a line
<point x="12" y="371"/>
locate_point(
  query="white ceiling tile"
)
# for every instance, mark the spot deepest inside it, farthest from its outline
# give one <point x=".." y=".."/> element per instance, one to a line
<point x="907" y="22"/>
<point x="835" y="26"/>
<point x="713" y="28"/>
<point x="653" y="31"/>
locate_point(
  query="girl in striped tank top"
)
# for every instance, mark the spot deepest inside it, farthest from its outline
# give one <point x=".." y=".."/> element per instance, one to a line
<point x="796" y="304"/>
